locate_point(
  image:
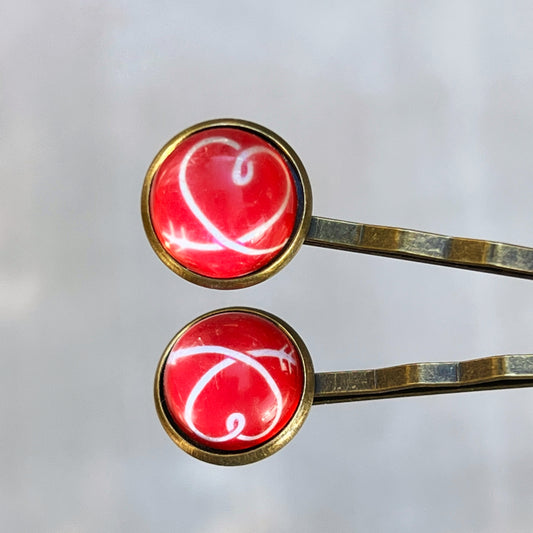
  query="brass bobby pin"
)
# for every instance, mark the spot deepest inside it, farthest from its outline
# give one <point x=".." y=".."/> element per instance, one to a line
<point x="227" y="203"/>
<point x="236" y="384"/>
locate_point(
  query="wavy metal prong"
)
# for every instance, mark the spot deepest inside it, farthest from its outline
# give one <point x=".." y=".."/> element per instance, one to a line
<point x="419" y="379"/>
<point x="459" y="252"/>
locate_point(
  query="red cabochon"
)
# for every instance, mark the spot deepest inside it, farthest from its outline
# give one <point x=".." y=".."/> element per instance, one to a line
<point x="223" y="203"/>
<point x="232" y="381"/>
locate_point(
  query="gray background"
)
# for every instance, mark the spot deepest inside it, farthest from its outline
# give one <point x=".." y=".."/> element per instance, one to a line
<point x="415" y="114"/>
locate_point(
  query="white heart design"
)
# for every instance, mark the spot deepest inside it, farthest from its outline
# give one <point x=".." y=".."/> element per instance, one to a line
<point x="222" y="241"/>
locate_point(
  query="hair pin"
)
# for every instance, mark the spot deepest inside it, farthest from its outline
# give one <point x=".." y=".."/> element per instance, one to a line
<point x="227" y="203"/>
<point x="236" y="384"/>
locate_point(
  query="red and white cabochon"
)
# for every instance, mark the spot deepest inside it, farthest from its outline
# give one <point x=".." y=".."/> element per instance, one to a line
<point x="232" y="381"/>
<point x="223" y="203"/>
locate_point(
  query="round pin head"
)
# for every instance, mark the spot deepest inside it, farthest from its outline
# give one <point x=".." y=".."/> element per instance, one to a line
<point x="234" y="386"/>
<point x="226" y="204"/>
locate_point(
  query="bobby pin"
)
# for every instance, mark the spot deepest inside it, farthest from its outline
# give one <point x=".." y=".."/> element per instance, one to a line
<point x="227" y="203"/>
<point x="236" y="384"/>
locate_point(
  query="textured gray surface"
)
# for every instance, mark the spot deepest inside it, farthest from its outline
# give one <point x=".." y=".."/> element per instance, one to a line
<point x="416" y="115"/>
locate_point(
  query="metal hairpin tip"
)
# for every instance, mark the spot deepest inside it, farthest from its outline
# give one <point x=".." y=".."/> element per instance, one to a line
<point x="235" y="385"/>
<point x="227" y="203"/>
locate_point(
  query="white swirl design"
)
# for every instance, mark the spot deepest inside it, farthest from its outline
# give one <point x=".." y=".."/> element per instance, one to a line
<point x="235" y="422"/>
<point x="220" y="240"/>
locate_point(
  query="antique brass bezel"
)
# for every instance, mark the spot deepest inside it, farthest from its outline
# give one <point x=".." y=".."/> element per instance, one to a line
<point x="257" y="452"/>
<point x="303" y="217"/>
